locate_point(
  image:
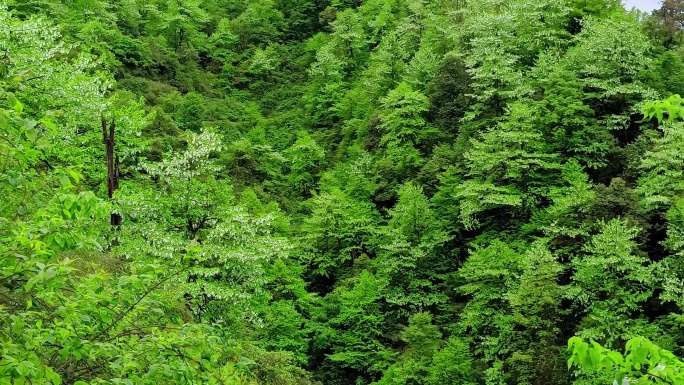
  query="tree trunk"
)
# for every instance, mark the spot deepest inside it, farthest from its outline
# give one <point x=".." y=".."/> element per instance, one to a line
<point x="112" y="166"/>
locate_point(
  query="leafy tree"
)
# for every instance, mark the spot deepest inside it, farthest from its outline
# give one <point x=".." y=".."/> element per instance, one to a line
<point x="351" y="328"/>
<point x="508" y="166"/>
<point x="572" y="125"/>
<point x="449" y="94"/>
<point x="409" y="253"/>
<point x="194" y="211"/>
<point x="422" y="339"/>
<point x="389" y="192"/>
<point x="179" y="21"/>
<point x="611" y="281"/>
<point x="503" y="286"/>
<point x="261" y="22"/>
<point x="503" y="41"/>
<point x="304" y="157"/>
<point x="610" y="58"/>
<point x="404" y="132"/>
<point x="338" y="231"/>
<point x="659" y="186"/>
<point x="452" y="364"/>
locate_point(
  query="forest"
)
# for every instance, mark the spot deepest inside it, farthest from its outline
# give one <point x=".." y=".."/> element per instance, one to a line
<point x="341" y="192"/>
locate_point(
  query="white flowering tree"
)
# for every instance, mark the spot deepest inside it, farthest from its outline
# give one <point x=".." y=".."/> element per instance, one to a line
<point x="190" y="220"/>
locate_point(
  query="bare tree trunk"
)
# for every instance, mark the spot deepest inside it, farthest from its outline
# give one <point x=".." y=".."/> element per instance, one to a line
<point x="112" y="166"/>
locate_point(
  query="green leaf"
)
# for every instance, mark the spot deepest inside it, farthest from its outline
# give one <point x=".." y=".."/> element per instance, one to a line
<point x="607" y="363"/>
<point x="74" y="175"/>
<point x="15" y="103"/>
<point x="639" y="355"/>
<point x="587" y="362"/>
<point x="64" y="181"/>
<point x="25" y="368"/>
<point x="595" y="355"/>
<point x="615" y="357"/>
<point x="574" y="341"/>
<point x="32" y="134"/>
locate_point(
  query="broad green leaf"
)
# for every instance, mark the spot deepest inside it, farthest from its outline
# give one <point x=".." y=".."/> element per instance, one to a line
<point x="25" y="368"/>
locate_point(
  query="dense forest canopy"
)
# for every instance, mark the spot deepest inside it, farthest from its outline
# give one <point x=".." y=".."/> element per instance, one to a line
<point x="341" y="192"/>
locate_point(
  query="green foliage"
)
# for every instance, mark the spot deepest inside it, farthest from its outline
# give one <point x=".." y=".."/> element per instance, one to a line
<point x="508" y="166"/>
<point x="643" y="362"/>
<point x="611" y="280"/>
<point x="358" y="192"/>
<point x="352" y="326"/>
<point x="304" y="157"/>
<point x="408" y="249"/>
<point x="660" y="186"/>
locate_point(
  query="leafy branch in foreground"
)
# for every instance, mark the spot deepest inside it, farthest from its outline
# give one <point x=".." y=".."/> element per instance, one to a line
<point x="642" y="363"/>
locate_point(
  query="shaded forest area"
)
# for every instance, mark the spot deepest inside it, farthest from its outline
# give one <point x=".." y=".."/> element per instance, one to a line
<point x="341" y="192"/>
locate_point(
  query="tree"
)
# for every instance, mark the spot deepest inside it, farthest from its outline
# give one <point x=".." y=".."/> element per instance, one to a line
<point x="304" y="157"/>
<point x="503" y="41"/>
<point x="337" y="232"/>
<point x="449" y="94"/>
<point x="452" y="365"/>
<point x="326" y="87"/>
<point x="571" y="124"/>
<point x="610" y="58"/>
<point x="508" y="166"/>
<point x="408" y="254"/>
<point x="671" y="17"/>
<point x="179" y="21"/>
<point x="404" y="132"/>
<point x="513" y="300"/>
<point x="191" y="210"/>
<point x="565" y="218"/>
<point x="112" y="325"/>
<point x="261" y="22"/>
<point x="660" y="186"/>
<point x="351" y="328"/>
<point x="611" y="281"/>
<point x="422" y="340"/>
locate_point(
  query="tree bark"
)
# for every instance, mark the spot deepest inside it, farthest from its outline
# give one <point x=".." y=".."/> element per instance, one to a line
<point x="112" y="166"/>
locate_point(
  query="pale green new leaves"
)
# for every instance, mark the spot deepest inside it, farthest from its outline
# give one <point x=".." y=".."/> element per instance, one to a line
<point x="222" y="41"/>
<point x="564" y="217"/>
<point x="536" y="288"/>
<point x="609" y="55"/>
<point x="610" y="48"/>
<point x="512" y="149"/>
<point x="513" y="296"/>
<point x="477" y="196"/>
<point x="348" y="36"/>
<point x="303" y="157"/>
<point x="671" y="267"/>
<point x="503" y="39"/>
<point x="402" y="117"/>
<point x="410" y="239"/>
<point x="192" y="221"/>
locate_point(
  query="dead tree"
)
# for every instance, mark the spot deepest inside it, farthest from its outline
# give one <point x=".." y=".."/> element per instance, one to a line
<point x="112" y="165"/>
